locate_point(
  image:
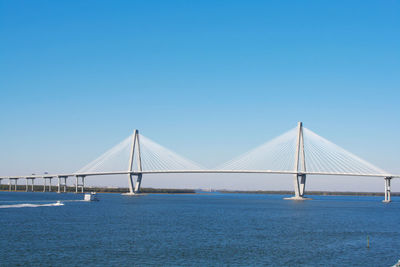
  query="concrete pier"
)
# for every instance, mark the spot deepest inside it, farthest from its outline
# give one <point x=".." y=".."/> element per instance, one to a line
<point x="61" y="184"/>
<point x="138" y="183"/>
<point x="50" y="178"/>
<point x="79" y="185"/>
<point x="10" y="184"/>
<point x="45" y="183"/>
<point x="32" y="184"/>
<point x="387" y="190"/>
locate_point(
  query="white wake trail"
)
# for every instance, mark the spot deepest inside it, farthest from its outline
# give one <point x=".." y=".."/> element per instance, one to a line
<point x="29" y="205"/>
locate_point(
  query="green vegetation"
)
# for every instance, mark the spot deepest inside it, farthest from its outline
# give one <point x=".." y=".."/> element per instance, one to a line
<point x="39" y="188"/>
<point x="143" y="190"/>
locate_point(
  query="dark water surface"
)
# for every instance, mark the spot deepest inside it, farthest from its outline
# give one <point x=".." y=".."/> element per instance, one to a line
<point x="198" y="230"/>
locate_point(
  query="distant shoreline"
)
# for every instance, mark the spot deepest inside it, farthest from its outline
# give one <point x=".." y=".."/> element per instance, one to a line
<point x="318" y="193"/>
<point x="120" y="190"/>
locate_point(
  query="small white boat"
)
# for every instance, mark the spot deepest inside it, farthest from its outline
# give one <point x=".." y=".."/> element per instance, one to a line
<point x="90" y="197"/>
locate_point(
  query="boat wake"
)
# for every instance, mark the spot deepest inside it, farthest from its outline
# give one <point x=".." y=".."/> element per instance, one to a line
<point x="28" y="205"/>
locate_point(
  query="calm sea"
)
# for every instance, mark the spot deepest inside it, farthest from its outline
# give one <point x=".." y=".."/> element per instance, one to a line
<point x="197" y="230"/>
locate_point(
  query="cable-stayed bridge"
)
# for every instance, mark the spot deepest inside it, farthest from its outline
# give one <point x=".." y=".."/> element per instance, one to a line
<point x="299" y="152"/>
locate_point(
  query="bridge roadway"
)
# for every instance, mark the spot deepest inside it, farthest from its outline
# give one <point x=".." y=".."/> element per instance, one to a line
<point x="195" y="171"/>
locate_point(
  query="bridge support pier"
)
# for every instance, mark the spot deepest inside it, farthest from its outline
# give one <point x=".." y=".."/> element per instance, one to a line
<point x="387" y="190"/>
<point x="15" y="184"/>
<point x="60" y="184"/>
<point x="302" y="184"/>
<point x="81" y="185"/>
<point x="134" y="184"/>
<point x="138" y="183"/>
<point x="45" y="183"/>
<point x="299" y="187"/>
<point x="50" y="183"/>
<point x="296" y="186"/>
<point x="131" y="186"/>
<point x="27" y="184"/>
<point x="10" y="184"/>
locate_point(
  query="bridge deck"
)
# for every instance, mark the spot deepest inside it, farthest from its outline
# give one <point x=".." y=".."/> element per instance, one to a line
<point x="197" y="171"/>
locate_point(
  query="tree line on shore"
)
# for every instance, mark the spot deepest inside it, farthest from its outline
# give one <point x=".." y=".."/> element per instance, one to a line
<point x="39" y="188"/>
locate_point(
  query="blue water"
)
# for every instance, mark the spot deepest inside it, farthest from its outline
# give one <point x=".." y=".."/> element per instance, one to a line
<point x="198" y="230"/>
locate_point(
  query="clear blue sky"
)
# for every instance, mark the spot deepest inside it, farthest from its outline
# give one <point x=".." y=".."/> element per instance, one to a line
<point x="208" y="79"/>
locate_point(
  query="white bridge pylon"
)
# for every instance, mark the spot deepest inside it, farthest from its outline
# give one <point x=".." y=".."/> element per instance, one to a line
<point x="299" y="152"/>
